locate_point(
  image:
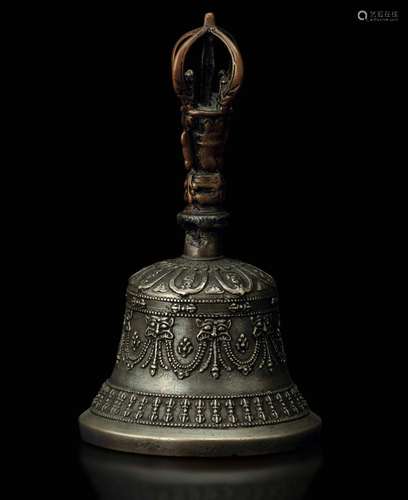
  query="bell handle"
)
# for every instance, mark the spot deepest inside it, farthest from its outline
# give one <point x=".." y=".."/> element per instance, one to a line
<point x="206" y="104"/>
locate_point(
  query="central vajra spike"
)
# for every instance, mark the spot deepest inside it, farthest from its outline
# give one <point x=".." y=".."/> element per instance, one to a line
<point x="201" y="366"/>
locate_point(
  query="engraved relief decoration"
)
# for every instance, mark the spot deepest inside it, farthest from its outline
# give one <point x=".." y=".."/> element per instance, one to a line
<point x="182" y="278"/>
<point x="208" y="411"/>
<point x="213" y="347"/>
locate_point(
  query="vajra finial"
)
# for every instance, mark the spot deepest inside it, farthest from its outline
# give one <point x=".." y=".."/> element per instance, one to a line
<point x="209" y="95"/>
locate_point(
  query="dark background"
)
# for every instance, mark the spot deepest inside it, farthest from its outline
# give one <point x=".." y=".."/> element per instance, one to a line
<point x="313" y="187"/>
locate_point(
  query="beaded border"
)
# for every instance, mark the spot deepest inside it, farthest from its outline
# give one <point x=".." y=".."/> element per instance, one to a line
<point x="217" y="411"/>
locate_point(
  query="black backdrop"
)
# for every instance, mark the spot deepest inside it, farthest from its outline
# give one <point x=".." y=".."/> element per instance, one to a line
<point x="312" y="189"/>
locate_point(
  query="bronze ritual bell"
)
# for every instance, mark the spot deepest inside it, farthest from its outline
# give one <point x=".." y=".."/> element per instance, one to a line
<point x="201" y="368"/>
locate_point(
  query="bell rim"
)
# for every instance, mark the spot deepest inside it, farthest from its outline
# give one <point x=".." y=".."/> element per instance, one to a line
<point x="150" y="440"/>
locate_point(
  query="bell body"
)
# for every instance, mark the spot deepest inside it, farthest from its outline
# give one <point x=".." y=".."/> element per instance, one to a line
<point x="201" y="368"/>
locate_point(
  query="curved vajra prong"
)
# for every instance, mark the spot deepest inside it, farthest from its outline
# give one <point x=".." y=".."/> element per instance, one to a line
<point x="229" y="82"/>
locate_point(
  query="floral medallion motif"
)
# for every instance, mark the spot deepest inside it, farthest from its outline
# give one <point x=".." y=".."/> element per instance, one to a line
<point x="241" y="344"/>
<point x="185" y="347"/>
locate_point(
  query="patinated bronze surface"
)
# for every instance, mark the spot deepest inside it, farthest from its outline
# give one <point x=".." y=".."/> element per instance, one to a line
<point x="201" y="367"/>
